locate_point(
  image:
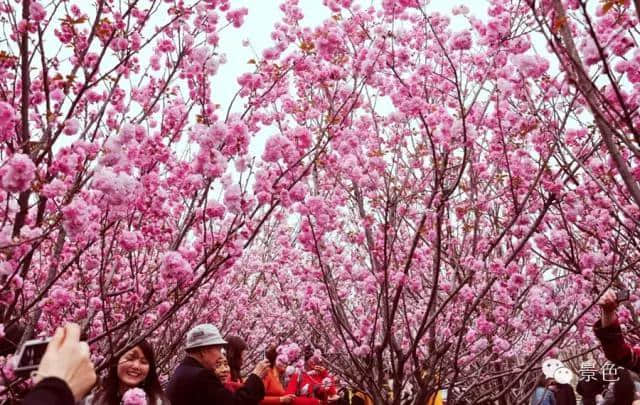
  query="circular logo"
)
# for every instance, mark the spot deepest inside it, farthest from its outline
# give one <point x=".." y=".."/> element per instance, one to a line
<point x="563" y="375"/>
<point x="549" y="366"/>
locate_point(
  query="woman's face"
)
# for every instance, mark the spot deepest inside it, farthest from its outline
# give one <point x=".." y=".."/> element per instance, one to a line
<point x="313" y="362"/>
<point x="222" y="369"/>
<point x="133" y="368"/>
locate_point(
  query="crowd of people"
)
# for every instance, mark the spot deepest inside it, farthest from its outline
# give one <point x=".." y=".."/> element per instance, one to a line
<point x="210" y="373"/>
<point x="621" y="388"/>
<point x="618" y="385"/>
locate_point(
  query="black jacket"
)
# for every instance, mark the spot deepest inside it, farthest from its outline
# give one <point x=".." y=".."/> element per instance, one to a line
<point x="624" y="391"/>
<point x="565" y="395"/>
<point x="588" y="388"/>
<point x="50" y="391"/>
<point x="192" y="384"/>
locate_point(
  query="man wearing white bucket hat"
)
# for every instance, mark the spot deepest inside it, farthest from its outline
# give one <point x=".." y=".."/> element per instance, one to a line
<point x="194" y="381"/>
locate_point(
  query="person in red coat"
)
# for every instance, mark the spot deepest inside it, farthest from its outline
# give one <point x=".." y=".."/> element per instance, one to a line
<point x="275" y="393"/>
<point x="608" y="332"/>
<point x="314" y="381"/>
<point x="616" y="349"/>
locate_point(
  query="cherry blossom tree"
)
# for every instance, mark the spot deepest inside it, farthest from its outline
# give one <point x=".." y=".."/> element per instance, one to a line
<point x="127" y="191"/>
<point x="467" y="211"/>
<point x="441" y="199"/>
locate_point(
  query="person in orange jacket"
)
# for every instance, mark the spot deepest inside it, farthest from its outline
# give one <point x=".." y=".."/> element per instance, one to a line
<point x="436" y="399"/>
<point x="274" y="391"/>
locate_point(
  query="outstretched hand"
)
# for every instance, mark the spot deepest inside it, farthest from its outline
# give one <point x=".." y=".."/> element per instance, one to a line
<point x="68" y="359"/>
<point x="261" y="368"/>
<point x="287" y="399"/>
<point x="608" y="304"/>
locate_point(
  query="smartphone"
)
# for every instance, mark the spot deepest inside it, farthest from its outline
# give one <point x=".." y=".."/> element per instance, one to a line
<point x="622" y="295"/>
<point x="30" y="355"/>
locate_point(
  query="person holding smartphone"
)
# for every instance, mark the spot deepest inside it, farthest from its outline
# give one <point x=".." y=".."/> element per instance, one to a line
<point x="608" y="332"/>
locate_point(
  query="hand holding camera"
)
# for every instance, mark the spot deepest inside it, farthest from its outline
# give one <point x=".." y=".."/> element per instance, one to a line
<point x="609" y="303"/>
<point x="63" y="356"/>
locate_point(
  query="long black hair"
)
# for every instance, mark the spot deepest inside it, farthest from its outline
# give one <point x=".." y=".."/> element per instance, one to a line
<point x="308" y="352"/>
<point x="235" y="347"/>
<point x="271" y="354"/>
<point x="109" y="393"/>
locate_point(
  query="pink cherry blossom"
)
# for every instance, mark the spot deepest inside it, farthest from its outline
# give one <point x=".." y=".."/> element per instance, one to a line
<point x="461" y="40"/>
<point x="18" y="173"/>
<point x="71" y="126"/>
<point x="233" y="198"/>
<point x="8" y="119"/>
<point x="531" y="65"/>
<point x="134" y="396"/>
<point x="37" y="11"/>
<point x="236" y="17"/>
<point x="461" y="9"/>
<point x="117" y="188"/>
<point x="175" y="268"/>
<point x="79" y="217"/>
<point x="130" y="240"/>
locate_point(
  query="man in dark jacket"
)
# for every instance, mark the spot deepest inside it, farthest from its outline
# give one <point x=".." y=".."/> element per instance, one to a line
<point x="590" y="387"/>
<point x="194" y="381"/>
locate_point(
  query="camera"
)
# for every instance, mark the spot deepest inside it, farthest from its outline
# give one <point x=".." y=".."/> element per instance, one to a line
<point x="30" y="355"/>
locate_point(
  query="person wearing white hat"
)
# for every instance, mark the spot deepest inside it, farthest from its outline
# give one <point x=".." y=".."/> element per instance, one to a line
<point x="194" y="381"/>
